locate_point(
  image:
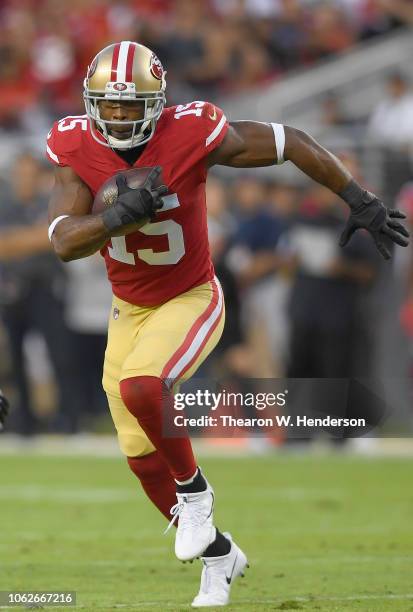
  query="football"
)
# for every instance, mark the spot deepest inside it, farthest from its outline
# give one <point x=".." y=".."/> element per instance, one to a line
<point x="108" y="193"/>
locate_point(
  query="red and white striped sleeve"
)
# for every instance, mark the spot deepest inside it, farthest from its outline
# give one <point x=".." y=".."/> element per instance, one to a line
<point x="215" y="126"/>
<point x="53" y="148"/>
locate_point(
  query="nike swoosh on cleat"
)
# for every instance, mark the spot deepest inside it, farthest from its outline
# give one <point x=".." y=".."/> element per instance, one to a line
<point x="229" y="578"/>
<point x="212" y="507"/>
<point x="213" y="116"/>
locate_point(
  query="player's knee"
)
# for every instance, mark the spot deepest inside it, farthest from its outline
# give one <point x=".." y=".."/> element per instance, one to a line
<point x="142" y="395"/>
<point x="149" y="467"/>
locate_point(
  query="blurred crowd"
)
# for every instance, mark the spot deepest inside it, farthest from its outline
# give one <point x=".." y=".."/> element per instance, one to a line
<point x="208" y="46"/>
<point x="297" y="304"/>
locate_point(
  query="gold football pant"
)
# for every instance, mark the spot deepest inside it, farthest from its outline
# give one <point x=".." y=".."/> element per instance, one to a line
<point x="168" y="341"/>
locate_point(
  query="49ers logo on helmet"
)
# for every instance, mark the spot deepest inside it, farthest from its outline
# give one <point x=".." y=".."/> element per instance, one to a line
<point x="120" y="86"/>
<point x="156" y="67"/>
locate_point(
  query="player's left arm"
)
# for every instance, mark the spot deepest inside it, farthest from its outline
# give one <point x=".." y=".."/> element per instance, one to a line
<point x="250" y="144"/>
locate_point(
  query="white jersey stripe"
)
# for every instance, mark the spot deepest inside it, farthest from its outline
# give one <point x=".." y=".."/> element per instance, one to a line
<point x="123" y="55"/>
<point x="52" y="155"/>
<point x="216" y="131"/>
<point x="199" y="338"/>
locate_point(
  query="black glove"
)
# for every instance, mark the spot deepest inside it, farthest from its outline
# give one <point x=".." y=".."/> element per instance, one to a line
<point x="134" y="205"/>
<point x="368" y="212"/>
<point x="4" y="410"/>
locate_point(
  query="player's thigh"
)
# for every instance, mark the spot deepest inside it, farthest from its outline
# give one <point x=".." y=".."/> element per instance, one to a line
<point x="179" y="335"/>
<point x="200" y="358"/>
<point x="125" y="323"/>
<point x="133" y="441"/>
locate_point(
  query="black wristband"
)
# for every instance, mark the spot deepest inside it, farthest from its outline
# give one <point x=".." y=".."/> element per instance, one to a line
<point x="353" y="194"/>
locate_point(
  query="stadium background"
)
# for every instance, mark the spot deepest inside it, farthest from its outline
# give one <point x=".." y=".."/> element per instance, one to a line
<point x="340" y="69"/>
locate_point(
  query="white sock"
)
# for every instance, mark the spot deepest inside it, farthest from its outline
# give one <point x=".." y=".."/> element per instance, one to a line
<point x="189" y="481"/>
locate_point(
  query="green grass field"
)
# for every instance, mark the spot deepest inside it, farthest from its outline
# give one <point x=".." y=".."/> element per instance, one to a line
<point x="322" y="533"/>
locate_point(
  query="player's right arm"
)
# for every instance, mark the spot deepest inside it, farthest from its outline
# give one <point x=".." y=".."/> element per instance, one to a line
<point x="75" y="233"/>
<point x="78" y="233"/>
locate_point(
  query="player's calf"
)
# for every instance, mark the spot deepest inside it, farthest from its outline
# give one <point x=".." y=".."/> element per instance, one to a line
<point x="156" y="480"/>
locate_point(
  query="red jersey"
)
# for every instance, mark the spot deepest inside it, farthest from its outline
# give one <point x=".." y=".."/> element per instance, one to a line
<point x="169" y="255"/>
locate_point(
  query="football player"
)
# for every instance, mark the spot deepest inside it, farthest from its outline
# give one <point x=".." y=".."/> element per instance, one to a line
<point x="168" y="307"/>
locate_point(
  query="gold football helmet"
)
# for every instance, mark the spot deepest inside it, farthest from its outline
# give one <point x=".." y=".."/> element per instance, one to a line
<point x="125" y="71"/>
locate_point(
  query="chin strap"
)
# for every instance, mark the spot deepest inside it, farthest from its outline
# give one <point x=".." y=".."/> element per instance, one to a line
<point x="116" y="143"/>
<point x="133" y="141"/>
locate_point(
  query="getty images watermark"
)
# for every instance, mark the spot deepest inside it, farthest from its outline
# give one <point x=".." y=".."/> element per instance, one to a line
<point x="299" y="408"/>
<point x="216" y="401"/>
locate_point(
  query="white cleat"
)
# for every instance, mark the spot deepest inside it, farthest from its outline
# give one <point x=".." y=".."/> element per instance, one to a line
<point x="195" y="530"/>
<point x="218" y="575"/>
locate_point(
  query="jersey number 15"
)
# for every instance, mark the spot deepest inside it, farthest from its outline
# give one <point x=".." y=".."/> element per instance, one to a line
<point x="168" y="228"/>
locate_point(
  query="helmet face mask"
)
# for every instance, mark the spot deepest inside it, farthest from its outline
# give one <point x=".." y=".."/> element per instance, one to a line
<point x="121" y="73"/>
